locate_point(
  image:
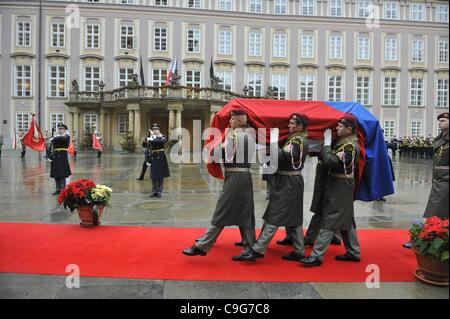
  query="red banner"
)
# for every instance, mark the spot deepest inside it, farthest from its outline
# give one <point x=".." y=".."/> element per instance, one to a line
<point x="33" y="138"/>
<point x="96" y="145"/>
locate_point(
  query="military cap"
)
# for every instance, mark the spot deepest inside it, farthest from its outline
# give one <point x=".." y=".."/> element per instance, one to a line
<point x="443" y="116"/>
<point x="62" y="125"/>
<point x="349" y="120"/>
<point x="156" y="126"/>
<point x="238" y="112"/>
<point x="300" y="119"/>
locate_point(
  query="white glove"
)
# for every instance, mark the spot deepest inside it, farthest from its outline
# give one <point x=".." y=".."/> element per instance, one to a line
<point x="327" y="137"/>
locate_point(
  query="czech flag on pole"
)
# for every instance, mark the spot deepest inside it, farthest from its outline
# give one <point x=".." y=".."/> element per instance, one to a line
<point x="172" y="69"/>
<point x="34" y="138"/>
<point x="374" y="170"/>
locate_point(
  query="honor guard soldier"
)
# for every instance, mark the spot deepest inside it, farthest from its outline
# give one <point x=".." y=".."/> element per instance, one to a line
<point x="340" y="160"/>
<point x="438" y="201"/>
<point x="235" y="206"/>
<point x="157" y="158"/>
<point x="286" y="203"/>
<point x="60" y="168"/>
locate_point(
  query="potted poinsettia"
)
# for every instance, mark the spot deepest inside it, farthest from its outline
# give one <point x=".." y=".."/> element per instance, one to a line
<point x="88" y="199"/>
<point x="429" y="241"/>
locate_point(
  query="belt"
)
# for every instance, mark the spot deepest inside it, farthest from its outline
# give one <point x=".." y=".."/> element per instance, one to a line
<point x="441" y="167"/>
<point x="159" y="150"/>
<point x="60" y="149"/>
<point x="290" y="173"/>
<point x="237" y="169"/>
<point x="341" y="175"/>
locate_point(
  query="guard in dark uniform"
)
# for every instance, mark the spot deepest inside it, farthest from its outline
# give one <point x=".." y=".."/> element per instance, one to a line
<point x="158" y="160"/>
<point x="235" y="206"/>
<point x="145" y="145"/>
<point x="340" y="161"/>
<point x="438" y="201"/>
<point x="286" y="203"/>
<point x="60" y="168"/>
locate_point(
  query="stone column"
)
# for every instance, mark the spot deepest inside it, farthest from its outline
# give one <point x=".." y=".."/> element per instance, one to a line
<point x="69" y="122"/>
<point x="131" y="121"/>
<point x="171" y="120"/>
<point x="137" y="125"/>
<point x="178" y="122"/>
<point x="101" y="120"/>
<point x="76" y="124"/>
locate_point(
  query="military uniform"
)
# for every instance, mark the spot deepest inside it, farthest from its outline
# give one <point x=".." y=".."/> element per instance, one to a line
<point x="60" y="168"/>
<point x="340" y="161"/>
<point x="159" y="166"/>
<point x="235" y="206"/>
<point x="438" y="202"/>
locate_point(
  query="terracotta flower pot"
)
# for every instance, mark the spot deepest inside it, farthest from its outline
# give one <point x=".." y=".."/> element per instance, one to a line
<point x="86" y="215"/>
<point x="431" y="270"/>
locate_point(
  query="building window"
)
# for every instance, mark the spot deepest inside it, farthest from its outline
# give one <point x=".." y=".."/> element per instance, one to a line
<point x="195" y="4"/>
<point x="225" y="5"/>
<point x="91" y="78"/>
<point x="23" y="80"/>
<point x="22" y="122"/>
<point x="390" y="90"/>
<point x="335" y="88"/>
<point x="418" y="12"/>
<point x="58" y="35"/>
<point x="280" y="6"/>
<point x="255" y="44"/>
<point x="122" y="123"/>
<point x="417" y="50"/>
<point x="279" y="86"/>
<point x="225" y="42"/>
<point x="307" y="49"/>
<point x="391" y="10"/>
<point x="443" y="51"/>
<point x="442" y="93"/>
<point x="390" y="49"/>
<point x="307" y="87"/>
<point x="363" y="90"/>
<point x="389" y="129"/>
<point x="127" y="37"/>
<point x="255" y="84"/>
<point x="442" y="13"/>
<point x="92" y="36"/>
<point x="364" y="8"/>
<point x="307" y="8"/>
<point x="130" y="1"/>
<point x="90" y="123"/>
<point x="416" y="128"/>
<point x="226" y="79"/>
<point x="159" y="77"/>
<point x="55" y="119"/>
<point x="363" y="48"/>
<point x="279" y="46"/>
<point x="125" y="77"/>
<point x="193" y="45"/>
<point x="161" y="3"/>
<point x="335" y="8"/>
<point x="57" y="81"/>
<point x="23" y="34"/>
<point x="416" y="92"/>
<point x="160" y="39"/>
<point x="255" y="6"/>
<point x="193" y="79"/>
<point x="335" y="47"/>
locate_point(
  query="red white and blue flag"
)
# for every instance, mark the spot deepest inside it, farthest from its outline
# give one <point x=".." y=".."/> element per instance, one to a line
<point x="172" y="69"/>
<point x="374" y="170"/>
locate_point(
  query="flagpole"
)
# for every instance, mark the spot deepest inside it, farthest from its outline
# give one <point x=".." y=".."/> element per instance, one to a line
<point x="39" y="63"/>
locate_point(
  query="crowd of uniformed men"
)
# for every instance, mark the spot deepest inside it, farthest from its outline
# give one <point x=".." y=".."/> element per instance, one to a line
<point x="332" y="201"/>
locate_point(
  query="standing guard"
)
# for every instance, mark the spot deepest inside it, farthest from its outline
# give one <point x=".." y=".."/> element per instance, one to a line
<point x="60" y="168"/>
<point x="158" y="160"/>
<point x="341" y="161"/>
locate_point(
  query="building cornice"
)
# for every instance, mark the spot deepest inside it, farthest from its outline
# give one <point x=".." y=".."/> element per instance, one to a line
<point x="418" y="68"/>
<point x="159" y="58"/>
<point x="309" y="65"/>
<point x="91" y="56"/>
<point x="284" y="64"/>
<point x="224" y="61"/>
<point x="361" y="66"/>
<point x="387" y="68"/>
<point x="259" y="63"/>
<point x="125" y="57"/>
<point x="339" y="66"/>
<point x="57" y="55"/>
<point x="441" y="70"/>
<point x="195" y="60"/>
<point x="27" y="54"/>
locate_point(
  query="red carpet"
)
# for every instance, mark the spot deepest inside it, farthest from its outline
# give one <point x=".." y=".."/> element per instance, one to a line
<point x="155" y="253"/>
